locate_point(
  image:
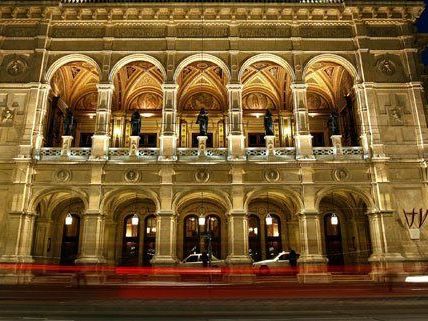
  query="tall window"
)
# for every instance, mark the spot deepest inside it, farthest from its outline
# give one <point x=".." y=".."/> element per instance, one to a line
<point x="273" y="237"/>
<point x="131" y="242"/>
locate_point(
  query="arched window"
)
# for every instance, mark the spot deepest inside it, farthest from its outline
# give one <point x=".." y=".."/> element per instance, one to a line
<point x="213" y="226"/>
<point x="254" y="238"/>
<point x="149" y="239"/>
<point x="130" y="242"/>
<point x="70" y="241"/>
<point x="191" y="235"/>
<point x="273" y="237"/>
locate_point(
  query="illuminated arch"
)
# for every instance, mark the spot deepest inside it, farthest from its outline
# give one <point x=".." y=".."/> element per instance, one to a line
<point x="133" y="58"/>
<point x="67" y="59"/>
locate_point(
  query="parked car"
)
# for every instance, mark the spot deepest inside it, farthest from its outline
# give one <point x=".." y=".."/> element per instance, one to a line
<point x="281" y="260"/>
<point x="195" y="259"/>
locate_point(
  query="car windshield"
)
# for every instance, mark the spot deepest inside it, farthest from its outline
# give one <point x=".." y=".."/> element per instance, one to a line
<point x="192" y="258"/>
<point x="283" y="257"/>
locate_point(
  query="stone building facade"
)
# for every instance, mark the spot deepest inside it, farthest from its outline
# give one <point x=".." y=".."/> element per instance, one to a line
<point x="343" y="80"/>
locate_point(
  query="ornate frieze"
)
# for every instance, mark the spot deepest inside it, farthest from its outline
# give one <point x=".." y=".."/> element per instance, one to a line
<point x="201" y="30"/>
<point x="74" y="31"/>
<point x="139" y="31"/>
<point x="264" y="31"/>
<point x="20" y="31"/>
<point x="330" y="31"/>
<point x="382" y="31"/>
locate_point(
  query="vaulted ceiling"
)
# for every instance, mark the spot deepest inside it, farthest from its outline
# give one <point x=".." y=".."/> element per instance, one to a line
<point x="138" y="85"/>
<point x="202" y="85"/>
<point x="76" y="84"/>
<point x="266" y="86"/>
<point x="328" y="84"/>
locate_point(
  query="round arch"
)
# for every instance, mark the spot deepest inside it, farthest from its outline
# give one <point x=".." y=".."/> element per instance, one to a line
<point x="329" y="190"/>
<point x="114" y="198"/>
<point x="181" y="199"/>
<point x="76" y="193"/>
<point x="70" y="58"/>
<point x="345" y="63"/>
<point x="132" y="58"/>
<point x="267" y="57"/>
<point x="201" y="57"/>
<point x="284" y="194"/>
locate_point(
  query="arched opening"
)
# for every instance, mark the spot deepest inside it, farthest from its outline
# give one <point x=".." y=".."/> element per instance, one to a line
<point x="272" y="227"/>
<point x="333" y="239"/>
<point x="58" y="229"/>
<point x="254" y="243"/>
<point x="72" y="104"/>
<point x="201" y="228"/>
<point x="70" y="239"/>
<point x="266" y="86"/>
<point x="202" y="84"/>
<point x="137" y="89"/>
<point x="331" y="104"/>
<point x="346" y="228"/>
<point x="135" y="240"/>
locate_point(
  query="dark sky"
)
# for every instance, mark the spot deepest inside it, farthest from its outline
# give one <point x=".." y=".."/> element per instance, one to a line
<point x="423" y="27"/>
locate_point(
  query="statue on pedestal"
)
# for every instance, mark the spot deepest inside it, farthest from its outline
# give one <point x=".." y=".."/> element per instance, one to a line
<point x="268" y="123"/>
<point x="68" y="123"/>
<point x="202" y="120"/>
<point x="135" y="123"/>
<point x="333" y="123"/>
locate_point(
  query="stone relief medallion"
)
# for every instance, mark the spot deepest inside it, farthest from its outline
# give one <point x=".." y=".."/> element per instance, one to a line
<point x="16" y="66"/>
<point x="202" y="175"/>
<point x="131" y="176"/>
<point x="62" y="175"/>
<point x="340" y="174"/>
<point x="386" y="66"/>
<point x="271" y="175"/>
<point x="7" y="115"/>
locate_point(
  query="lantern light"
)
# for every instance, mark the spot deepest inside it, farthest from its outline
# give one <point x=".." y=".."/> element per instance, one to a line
<point x="268" y="220"/>
<point x="256" y="230"/>
<point x="201" y="220"/>
<point x="68" y="219"/>
<point x="135" y="220"/>
<point x="154" y="229"/>
<point x="334" y="220"/>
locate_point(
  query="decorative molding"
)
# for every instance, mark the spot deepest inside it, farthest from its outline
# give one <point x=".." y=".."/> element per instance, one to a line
<point x="202" y="175"/>
<point x="132" y="176"/>
<point x="62" y="175"/>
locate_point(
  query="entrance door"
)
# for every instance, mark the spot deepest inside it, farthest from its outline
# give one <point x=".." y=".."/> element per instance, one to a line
<point x="273" y="238"/>
<point x="70" y="241"/>
<point x="130" y="242"/>
<point x="254" y="238"/>
<point x="191" y="242"/>
<point x="149" y="240"/>
<point x="213" y="224"/>
<point x="333" y="241"/>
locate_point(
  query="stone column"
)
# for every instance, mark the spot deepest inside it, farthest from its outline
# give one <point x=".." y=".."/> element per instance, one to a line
<point x="238" y="238"/>
<point x="91" y="245"/>
<point x="386" y="261"/>
<point x="101" y="138"/>
<point x="166" y="236"/>
<point x="302" y="137"/>
<point x="40" y="119"/>
<point x="166" y="223"/>
<point x="66" y="146"/>
<point x="19" y="238"/>
<point x="312" y="261"/>
<point x="236" y="138"/>
<point x="168" y="137"/>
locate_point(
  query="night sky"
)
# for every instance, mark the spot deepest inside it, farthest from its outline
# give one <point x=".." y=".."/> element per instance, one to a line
<point x="423" y="27"/>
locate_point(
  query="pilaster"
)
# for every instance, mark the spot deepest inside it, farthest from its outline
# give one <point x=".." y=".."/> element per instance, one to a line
<point x="236" y="138"/>
<point x="168" y="137"/>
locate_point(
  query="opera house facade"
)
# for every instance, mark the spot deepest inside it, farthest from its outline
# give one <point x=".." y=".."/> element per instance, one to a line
<point x="102" y="161"/>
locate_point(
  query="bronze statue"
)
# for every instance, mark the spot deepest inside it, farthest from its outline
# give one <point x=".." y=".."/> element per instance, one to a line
<point x="135" y="123"/>
<point x="202" y="120"/>
<point x="333" y="123"/>
<point x="68" y="123"/>
<point x="268" y="123"/>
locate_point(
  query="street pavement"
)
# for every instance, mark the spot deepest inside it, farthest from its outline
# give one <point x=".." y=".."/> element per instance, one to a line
<point x="173" y="301"/>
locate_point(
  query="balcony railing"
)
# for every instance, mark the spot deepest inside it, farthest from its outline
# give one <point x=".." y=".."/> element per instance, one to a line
<point x="211" y="154"/>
